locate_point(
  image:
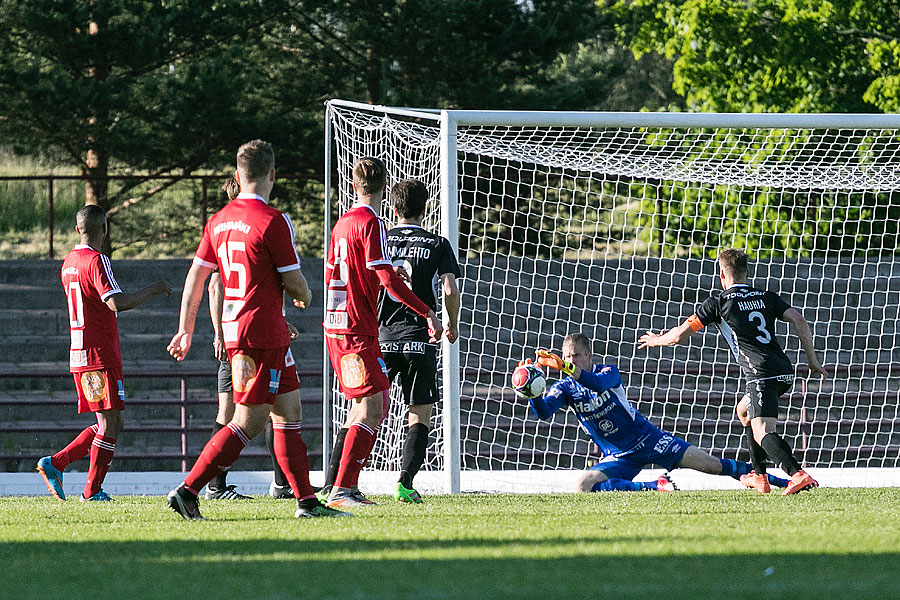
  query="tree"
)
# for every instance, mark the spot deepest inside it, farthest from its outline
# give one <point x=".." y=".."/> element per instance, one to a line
<point x="121" y="85"/>
<point x="773" y="55"/>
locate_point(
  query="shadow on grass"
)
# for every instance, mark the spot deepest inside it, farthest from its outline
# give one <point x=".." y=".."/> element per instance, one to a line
<point x="479" y="568"/>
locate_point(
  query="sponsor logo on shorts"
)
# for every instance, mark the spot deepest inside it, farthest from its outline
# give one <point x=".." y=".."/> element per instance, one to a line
<point x="353" y="370"/>
<point x="383" y="367"/>
<point x="93" y="385"/>
<point x="243" y="372"/>
<point x="663" y="444"/>
<point x="404" y="347"/>
<point x="121" y="388"/>
<point x="288" y="358"/>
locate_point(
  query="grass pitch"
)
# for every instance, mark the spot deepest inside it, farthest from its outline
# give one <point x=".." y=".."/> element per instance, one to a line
<point x="828" y="543"/>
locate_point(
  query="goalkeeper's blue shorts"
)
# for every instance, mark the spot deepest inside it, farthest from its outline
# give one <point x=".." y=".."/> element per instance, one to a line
<point x="660" y="449"/>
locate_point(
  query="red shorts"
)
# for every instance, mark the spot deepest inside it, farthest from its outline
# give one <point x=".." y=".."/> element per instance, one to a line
<point x="260" y="374"/>
<point x="357" y="361"/>
<point x="100" y="390"/>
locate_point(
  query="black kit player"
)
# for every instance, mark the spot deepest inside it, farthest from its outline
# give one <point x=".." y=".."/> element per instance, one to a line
<point x="424" y="260"/>
<point x="746" y="318"/>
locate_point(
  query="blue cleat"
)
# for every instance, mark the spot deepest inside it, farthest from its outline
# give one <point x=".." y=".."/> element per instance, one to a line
<point x="100" y="496"/>
<point x="53" y="477"/>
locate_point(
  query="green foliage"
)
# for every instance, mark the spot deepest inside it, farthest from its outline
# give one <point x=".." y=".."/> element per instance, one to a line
<point x="772" y="55"/>
<point x="616" y="544"/>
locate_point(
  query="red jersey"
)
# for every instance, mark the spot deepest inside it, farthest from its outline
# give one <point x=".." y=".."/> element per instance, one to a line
<point x="251" y="243"/>
<point x="87" y="280"/>
<point x="358" y="245"/>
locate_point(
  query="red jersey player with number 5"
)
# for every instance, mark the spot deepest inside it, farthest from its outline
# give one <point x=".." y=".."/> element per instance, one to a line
<point x="358" y="266"/>
<point x="252" y="245"/>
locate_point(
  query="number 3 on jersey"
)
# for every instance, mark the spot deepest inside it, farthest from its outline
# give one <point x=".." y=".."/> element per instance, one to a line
<point x="755" y="316"/>
<point x="232" y="263"/>
<point x="336" y="316"/>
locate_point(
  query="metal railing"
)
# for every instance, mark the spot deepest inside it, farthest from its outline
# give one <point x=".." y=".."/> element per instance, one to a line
<point x="181" y="427"/>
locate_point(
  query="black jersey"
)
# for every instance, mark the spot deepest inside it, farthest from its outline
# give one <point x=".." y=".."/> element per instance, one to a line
<point x="425" y="257"/>
<point x="746" y="317"/>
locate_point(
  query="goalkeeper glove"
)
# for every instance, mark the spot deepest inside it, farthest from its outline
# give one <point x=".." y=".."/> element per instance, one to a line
<point x="548" y="359"/>
<point x="522" y="363"/>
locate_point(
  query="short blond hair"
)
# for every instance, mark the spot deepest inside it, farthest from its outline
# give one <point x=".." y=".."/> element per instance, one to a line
<point x="255" y="159"/>
<point x="369" y="175"/>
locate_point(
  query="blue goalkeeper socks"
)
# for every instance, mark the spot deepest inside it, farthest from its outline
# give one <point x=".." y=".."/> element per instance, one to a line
<point x="734" y="468"/>
<point x="623" y="485"/>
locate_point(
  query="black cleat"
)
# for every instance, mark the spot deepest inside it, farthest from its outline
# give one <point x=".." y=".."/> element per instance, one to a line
<point x="313" y="508"/>
<point x="184" y="503"/>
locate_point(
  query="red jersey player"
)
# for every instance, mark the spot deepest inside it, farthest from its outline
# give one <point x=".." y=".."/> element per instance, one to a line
<point x="358" y="265"/>
<point x="94" y="298"/>
<point x="252" y="245"/>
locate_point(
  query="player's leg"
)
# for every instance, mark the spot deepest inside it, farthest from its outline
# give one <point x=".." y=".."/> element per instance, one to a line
<point x="612" y="474"/>
<point x="698" y="460"/>
<point x="763" y="419"/>
<point x="280" y="488"/>
<point x="103" y="447"/>
<point x="418" y="380"/>
<point x="218" y="488"/>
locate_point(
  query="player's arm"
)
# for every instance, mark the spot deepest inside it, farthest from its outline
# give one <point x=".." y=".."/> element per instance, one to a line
<point x="451" y="305"/>
<point x="295" y="285"/>
<point x="676" y="335"/>
<point x="216" y="292"/>
<point x="544" y="407"/>
<point x="609" y="377"/>
<point x="190" y="302"/>
<point x="128" y="300"/>
<point x="393" y="284"/>
<point x="801" y="328"/>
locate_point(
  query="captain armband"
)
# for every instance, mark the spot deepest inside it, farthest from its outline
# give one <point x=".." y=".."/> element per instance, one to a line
<point x="694" y="323"/>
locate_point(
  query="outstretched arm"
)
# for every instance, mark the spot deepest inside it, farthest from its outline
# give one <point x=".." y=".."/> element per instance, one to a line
<point x="127" y="301"/>
<point x="607" y="378"/>
<point x="676" y="335"/>
<point x="801" y="328"/>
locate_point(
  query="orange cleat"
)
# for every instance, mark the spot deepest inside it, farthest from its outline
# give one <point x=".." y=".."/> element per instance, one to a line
<point x="760" y="483"/>
<point x="801" y="480"/>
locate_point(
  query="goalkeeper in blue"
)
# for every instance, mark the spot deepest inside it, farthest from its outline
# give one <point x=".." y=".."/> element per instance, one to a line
<point x="627" y="440"/>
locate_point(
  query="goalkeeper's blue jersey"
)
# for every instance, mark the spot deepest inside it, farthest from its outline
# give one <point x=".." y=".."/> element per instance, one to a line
<point x="599" y="401"/>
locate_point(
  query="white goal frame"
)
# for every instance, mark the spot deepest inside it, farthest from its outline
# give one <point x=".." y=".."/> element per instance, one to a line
<point x="449" y="121"/>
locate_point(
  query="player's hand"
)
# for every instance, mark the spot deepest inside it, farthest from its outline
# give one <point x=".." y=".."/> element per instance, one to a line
<point x="548" y="359"/>
<point x="435" y="329"/>
<point x="451" y="332"/>
<point x="293" y="331"/>
<point x="218" y="349"/>
<point x="522" y="363"/>
<point x="649" y="340"/>
<point x="162" y="287"/>
<point x="180" y="345"/>
<point x="300" y="303"/>
<point x="817" y="367"/>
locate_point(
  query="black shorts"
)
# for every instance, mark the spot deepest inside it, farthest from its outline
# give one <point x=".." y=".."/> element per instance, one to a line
<point x="763" y="395"/>
<point x="223" y="380"/>
<point x="416" y="365"/>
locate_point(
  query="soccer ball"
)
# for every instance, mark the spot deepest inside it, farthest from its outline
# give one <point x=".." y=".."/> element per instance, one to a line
<point x="528" y="381"/>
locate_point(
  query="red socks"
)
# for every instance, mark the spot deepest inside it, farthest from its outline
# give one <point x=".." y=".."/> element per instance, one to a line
<point x="357" y="446"/>
<point x="77" y="448"/>
<point x="290" y="452"/>
<point x="218" y="454"/>
<point x="102" y="450"/>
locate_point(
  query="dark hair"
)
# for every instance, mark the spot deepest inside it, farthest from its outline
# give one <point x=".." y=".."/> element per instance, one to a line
<point x="255" y="159"/>
<point x="369" y="175"/>
<point x="578" y="340"/>
<point x="231" y="188"/>
<point x="409" y="197"/>
<point x="734" y="263"/>
<point x="91" y="219"/>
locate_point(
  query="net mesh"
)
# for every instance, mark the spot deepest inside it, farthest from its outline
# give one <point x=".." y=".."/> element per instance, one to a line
<point x="611" y="232"/>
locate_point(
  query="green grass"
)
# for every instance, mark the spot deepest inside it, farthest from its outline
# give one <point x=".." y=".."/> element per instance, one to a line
<point x="830" y="543"/>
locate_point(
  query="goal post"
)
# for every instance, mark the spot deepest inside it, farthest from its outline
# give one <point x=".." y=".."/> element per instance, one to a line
<point x="609" y="224"/>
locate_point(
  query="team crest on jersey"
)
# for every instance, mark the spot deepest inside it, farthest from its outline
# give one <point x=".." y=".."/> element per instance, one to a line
<point x="243" y="372"/>
<point x="93" y="385"/>
<point x="353" y="370"/>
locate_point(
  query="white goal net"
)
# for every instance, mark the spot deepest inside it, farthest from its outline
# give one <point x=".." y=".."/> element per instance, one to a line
<point x="609" y="225"/>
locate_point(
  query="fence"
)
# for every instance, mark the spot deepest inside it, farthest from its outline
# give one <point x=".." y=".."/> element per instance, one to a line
<point x="186" y="456"/>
